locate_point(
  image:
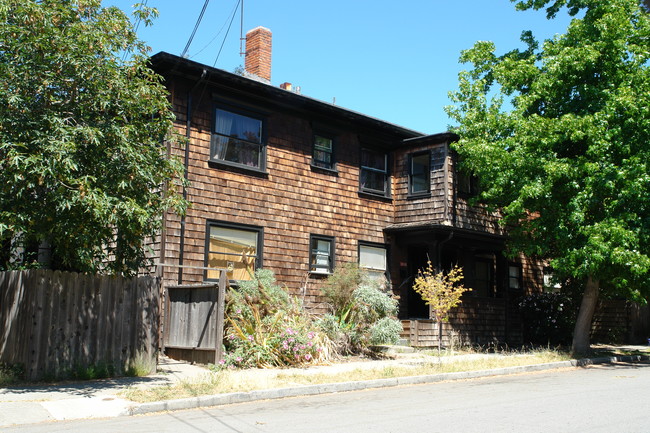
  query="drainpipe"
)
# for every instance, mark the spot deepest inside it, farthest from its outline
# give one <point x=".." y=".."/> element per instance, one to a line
<point x="188" y="126"/>
<point x="439" y="250"/>
<point x="446" y="182"/>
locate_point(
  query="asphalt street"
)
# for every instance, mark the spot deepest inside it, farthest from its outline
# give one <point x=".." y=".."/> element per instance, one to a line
<point x="603" y="398"/>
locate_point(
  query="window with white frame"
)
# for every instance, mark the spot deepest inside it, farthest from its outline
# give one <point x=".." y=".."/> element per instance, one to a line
<point x="237" y="140"/>
<point x="321" y="257"/>
<point x="373" y="177"/>
<point x="551" y="284"/>
<point x="373" y="258"/>
<point x="234" y="247"/>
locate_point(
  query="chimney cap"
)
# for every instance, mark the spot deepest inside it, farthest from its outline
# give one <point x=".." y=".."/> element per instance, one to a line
<point x="258" y="28"/>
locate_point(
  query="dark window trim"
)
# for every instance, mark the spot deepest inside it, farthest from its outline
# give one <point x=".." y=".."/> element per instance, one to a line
<point x="229" y="225"/>
<point x="373" y="192"/>
<point x="221" y="163"/>
<point x="331" y="171"/>
<point x="313" y="164"/>
<point x="375" y="245"/>
<point x="419" y="194"/>
<point x="520" y="278"/>
<point x="332" y="257"/>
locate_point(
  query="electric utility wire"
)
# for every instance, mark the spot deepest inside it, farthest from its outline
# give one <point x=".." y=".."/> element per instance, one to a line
<point x="215" y="36"/>
<point x="142" y="6"/>
<point x="234" y="13"/>
<point x="226" y="36"/>
<point x="135" y="28"/>
<point x="196" y="26"/>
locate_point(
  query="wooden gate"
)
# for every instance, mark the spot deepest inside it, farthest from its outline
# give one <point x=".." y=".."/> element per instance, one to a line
<point x="194" y="321"/>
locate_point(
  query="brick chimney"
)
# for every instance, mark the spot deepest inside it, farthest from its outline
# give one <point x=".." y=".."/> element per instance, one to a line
<point x="258" y="53"/>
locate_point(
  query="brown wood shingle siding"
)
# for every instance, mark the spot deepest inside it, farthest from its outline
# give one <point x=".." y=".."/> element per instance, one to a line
<point x="291" y="202"/>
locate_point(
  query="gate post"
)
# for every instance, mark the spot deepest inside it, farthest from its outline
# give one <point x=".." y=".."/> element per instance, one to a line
<point x="221" y="300"/>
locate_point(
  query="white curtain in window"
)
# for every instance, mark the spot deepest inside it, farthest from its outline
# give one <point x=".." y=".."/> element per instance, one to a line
<point x="223" y="127"/>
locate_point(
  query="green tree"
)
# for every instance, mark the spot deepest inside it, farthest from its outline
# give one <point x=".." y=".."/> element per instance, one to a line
<point x="560" y="138"/>
<point x="83" y="163"/>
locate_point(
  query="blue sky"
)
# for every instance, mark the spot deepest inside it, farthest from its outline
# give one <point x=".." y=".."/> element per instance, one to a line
<point x="392" y="60"/>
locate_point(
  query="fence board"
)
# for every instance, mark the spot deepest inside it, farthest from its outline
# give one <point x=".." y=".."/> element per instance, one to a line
<point x="53" y="322"/>
<point x="194" y="321"/>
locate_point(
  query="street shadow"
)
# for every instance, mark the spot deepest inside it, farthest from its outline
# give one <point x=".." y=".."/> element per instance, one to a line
<point x="86" y="388"/>
<point x="617" y="365"/>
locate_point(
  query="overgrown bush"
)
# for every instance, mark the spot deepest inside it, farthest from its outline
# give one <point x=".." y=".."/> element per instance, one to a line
<point x="362" y="314"/>
<point x="385" y="331"/>
<point x="548" y="318"/>
<point x="265" y="327"/>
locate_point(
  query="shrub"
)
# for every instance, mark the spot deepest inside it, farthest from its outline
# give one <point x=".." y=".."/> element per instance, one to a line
<point x="548" y="318"/>
<point x="360" y="311"/>
<point x="385" y="331"/>
<point x="267" y="328"/>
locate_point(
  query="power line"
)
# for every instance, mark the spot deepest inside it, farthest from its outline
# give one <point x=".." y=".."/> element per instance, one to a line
<point x="135" y="28"/>
<point x="217" y="35"/>
<point x="137" y="24"/>
<point x="226" y="36"/>
<point x="196" y="26"/>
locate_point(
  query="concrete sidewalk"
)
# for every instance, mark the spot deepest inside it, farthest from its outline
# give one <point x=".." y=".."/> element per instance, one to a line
<point x="88" y="399"/>
<point x="100" y="399"/>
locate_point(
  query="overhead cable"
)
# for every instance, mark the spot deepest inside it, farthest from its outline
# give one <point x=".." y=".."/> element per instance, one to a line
<point x="196" y="26"/>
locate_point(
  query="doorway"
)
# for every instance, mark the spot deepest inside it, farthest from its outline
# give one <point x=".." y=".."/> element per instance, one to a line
<point x="417" y="259"/>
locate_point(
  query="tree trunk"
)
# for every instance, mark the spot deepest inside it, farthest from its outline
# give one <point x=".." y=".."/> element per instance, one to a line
<point x="585" y="315"/>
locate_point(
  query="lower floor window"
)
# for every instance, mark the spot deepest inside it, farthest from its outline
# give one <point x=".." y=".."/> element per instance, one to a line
<point x="482" y="278"/>
<point x="514" y="277"/>
<point x="321" y="254"/>
<point x="372" y="258"/>
<point x="236" y="248"/>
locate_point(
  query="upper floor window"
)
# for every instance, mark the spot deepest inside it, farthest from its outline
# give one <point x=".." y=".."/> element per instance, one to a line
<point x="419" y="173"/>
<point x="321" y="254"/>
<point x="237" y="140"/>
<point x="467" y="184"/>
<point x="374" y="172"/>
<point x="372" y="258"/>
<point x="323" y="155"/>
<point x="234" y="247"/>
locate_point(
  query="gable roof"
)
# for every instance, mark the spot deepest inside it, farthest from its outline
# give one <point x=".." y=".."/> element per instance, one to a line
<point x="249" y="89"/>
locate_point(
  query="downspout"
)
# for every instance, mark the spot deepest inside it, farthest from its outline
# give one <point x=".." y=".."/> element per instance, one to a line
<point x="446" y="183"/>
<point x="446" y="216"/>
<point x="186" y="163"/>
<point x="446" y="208"/>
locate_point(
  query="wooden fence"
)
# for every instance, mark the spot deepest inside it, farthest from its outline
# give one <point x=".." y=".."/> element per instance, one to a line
<point x="477" y="321"/>
<point x="54" y="322"/>
<point x="483" y="321"/>
<point x="194" y="321"/>
<point x="619" y="321"/>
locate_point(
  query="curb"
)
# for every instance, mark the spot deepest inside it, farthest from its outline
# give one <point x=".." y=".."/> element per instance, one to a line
<point x="328" y="388"/>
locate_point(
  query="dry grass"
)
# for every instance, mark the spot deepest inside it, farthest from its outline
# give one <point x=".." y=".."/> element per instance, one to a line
<point x="228" y="381"/>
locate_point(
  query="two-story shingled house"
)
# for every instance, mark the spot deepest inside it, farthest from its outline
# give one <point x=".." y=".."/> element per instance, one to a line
<point x="301" y="186"/>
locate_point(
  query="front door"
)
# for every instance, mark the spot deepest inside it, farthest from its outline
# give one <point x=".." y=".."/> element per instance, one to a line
<point x="417" y="259"/>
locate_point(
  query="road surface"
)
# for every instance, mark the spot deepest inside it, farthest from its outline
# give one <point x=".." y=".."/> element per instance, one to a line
<point x="606" y="398"/>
